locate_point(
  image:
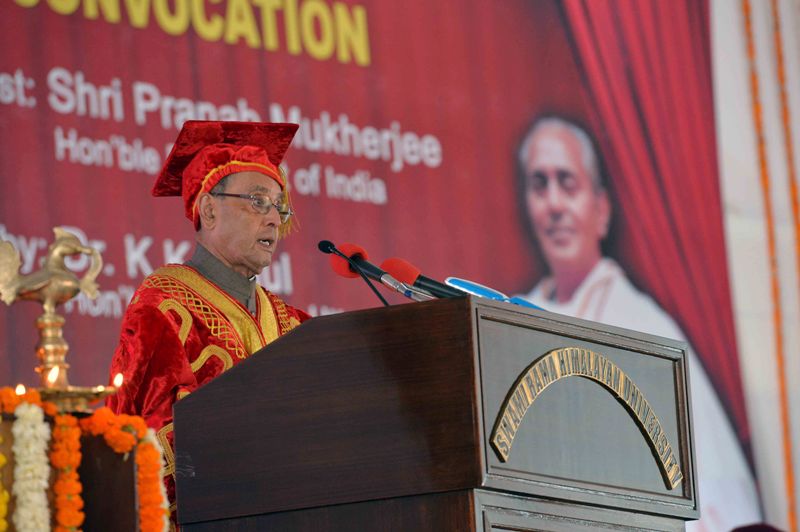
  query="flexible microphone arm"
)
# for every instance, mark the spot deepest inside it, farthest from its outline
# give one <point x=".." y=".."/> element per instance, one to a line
<point x="411" y="276"/>
<point x="326" y="246"/>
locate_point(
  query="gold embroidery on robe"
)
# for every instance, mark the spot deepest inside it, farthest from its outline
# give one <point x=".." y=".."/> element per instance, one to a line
<point x="180" y="310"/>
<point x="172" y="508"/>
<point x="269" y="324"/>
<point x="287" y="323"/>
<point x="212" y="351"/>
<point x="217" y="325"/>
<point x="243" y="323"/>
<point x="169" y="456"/>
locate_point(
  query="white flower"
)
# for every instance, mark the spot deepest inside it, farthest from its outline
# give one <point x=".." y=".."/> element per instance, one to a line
<point x="31" y="469"/>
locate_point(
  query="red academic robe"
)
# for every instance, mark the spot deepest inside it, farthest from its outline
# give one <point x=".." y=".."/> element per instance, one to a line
<point x="179" y="332"/>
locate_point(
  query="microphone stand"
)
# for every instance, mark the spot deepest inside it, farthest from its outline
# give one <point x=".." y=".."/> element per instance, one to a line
<point x="325" y="248"/>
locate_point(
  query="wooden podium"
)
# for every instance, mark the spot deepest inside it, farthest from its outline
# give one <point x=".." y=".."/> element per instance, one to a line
<point x="457" y="414"/>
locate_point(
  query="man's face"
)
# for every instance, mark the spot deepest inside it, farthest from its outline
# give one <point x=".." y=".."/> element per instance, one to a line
<point x="569" y="216"/>
<point x="241" y="237"/>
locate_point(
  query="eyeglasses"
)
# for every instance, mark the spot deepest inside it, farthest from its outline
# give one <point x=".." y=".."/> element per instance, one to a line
<point x="262" y="204"/>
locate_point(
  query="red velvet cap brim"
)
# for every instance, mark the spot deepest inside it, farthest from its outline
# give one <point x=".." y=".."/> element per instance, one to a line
<point x="195" y="135"/>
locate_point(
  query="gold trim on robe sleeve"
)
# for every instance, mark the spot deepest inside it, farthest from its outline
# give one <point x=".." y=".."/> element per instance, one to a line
<point x="186" y="318"/>
<point x="212" y="351"/>
<point x="169" y="456"/>
<point x="267" y="317"/>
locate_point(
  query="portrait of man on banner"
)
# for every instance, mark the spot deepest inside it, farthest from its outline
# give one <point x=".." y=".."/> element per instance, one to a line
<point x="567" y="209"/>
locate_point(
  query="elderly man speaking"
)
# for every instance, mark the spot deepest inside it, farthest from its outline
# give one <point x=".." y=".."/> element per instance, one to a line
<point x="187" y="323"/>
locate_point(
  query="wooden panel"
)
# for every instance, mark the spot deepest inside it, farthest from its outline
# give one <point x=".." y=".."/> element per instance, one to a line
<point x="577" y="441"/>
<point x="462" y="511"/>
<point x="109" y="487"/>
<point x="498" y="512"/>
<point x="422" y="513"/>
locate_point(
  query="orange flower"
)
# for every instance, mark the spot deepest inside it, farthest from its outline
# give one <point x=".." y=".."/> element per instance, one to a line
<point x="152" y="519"/>
<point x="9" y="400"/>
<point x="71" y="441"/>
<point x="119" y="440"/>
<point x="99" y="422"/>
<point x="70" y="476"/>
<point x="133" y="424"/>
<point x="67" y="487"/>
<point x="150" y="498"/>
<point x="66" y="421"/>
<point x="68" y="517"/>
<point x="151" y="510"/>
<point x="66" y="457"/>
<point x="69" y="501"/>
<point x="145" y="455"/>
<point x="49" y="408"/>
<point x="60" y="458"/>
<point x="32" y="396"/>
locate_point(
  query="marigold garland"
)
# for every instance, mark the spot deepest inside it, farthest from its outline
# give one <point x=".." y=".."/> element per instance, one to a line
<point x="4" y="495"/>
<point x="9" y="401"/>
<point x="122" y="433"/>
<point x="65" y="457"/>
<point x="153" y="510"/>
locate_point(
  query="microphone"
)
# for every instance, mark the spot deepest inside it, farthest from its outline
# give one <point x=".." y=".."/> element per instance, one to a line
<point x="358" y="258"/>
<point x="410" y="275"/>
<point x="346" y="267"/>
<point x="480" y="290"/>
<point x="522" y="302"/>
<point x="351" y="260"/>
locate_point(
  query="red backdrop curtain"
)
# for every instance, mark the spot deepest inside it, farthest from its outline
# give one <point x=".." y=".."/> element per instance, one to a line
<point x="642" y="63"/>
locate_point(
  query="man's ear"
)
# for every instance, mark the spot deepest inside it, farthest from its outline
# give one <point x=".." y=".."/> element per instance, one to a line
<point x="207" y="208"/>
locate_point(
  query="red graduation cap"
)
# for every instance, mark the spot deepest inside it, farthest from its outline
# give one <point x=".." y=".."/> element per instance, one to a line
<point x="207" y="151"/>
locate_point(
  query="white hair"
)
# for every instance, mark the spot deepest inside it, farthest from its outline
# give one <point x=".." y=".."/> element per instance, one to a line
<point x="588" y="153"/>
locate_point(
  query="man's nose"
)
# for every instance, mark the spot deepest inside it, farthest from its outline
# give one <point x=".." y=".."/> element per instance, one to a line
<point x="554" y="196"/>
<point x="273" y="217"/>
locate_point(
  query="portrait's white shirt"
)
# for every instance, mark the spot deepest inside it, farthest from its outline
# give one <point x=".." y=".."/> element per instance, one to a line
<point x="727" y="491"/>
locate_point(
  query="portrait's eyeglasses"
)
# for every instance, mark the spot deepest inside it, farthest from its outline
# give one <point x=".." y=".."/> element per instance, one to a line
<point x="262" y="204"/>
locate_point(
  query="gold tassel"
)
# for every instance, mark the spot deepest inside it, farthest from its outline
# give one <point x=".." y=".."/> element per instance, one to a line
<point x="292" y="223"/>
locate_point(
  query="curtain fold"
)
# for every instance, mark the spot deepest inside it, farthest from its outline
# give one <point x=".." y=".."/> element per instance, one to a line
<point x="649" y="93"/>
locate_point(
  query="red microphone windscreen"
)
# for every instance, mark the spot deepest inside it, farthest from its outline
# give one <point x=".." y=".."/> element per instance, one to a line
<point x="400" y="269"/>
<point x="354" y="250"/>
<point x="341" y="266"/>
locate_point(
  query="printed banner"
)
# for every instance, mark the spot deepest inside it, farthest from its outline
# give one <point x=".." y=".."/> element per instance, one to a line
<point x="417" y="140"/>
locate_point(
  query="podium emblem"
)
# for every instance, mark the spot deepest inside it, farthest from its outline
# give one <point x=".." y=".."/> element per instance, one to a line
<point x="578" y="362"/>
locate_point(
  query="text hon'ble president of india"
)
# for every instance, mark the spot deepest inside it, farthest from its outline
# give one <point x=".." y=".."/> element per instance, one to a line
<point x="187" y="323"/>
<point x="569" y="211"/>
